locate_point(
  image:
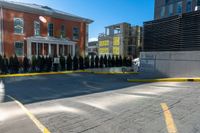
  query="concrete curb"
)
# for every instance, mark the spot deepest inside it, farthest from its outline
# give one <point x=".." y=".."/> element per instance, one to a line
<point x="35" y="74"/>
<point x="64" y="72"/>
<point x="83" y="71"/>
<point x="165" y="80"/>
<point x="115" y="73"/>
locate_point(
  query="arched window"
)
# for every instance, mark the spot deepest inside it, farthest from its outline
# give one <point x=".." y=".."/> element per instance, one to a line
<point x="18" y="25"/>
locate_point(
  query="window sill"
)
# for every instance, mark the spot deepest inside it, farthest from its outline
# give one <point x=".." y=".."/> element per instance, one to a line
<point x="75" y="40"/>
<point x="19" y="34"/>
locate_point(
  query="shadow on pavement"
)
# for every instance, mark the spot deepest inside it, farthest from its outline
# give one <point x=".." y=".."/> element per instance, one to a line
<point x="41" y="88"/>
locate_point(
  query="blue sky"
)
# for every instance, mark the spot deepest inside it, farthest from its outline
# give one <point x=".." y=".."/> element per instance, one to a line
<point x="104" y="12"/>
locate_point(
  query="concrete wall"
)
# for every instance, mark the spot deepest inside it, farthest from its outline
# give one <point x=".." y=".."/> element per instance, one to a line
<point x="171" y="64"/>
<point x="114" y="69"/>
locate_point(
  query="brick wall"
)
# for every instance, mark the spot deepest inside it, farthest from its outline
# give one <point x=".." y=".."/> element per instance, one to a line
<point x="10" y="37"/>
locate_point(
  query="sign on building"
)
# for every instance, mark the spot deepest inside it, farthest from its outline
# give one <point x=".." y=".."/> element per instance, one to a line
<point x="116" y="45"/>
<point x="116" y="41"/>
<point x="116" y="51"/>
<point x="103" y="50"/>
<point x="104" y="43"/>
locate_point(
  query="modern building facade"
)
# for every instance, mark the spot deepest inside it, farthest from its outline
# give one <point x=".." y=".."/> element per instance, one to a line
<point x="167" y="8"/>
<point x="92" y="48"/>
<point x="120" y="39"/>
<point x="30" y="29"/>
<point x="172" y="44"/>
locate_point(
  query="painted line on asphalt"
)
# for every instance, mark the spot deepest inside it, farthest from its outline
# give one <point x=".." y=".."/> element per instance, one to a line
<point x="171" y="127"/>
<point x="165" y="80"/>
<point x="40" y="126"/>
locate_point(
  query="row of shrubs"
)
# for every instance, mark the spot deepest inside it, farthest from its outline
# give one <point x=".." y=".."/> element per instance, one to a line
<point x="47" y="64"/>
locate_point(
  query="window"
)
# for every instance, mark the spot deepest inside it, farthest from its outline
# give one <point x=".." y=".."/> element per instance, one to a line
<point x="33" y="48"/>
<point x="189" y="6"/>
<point x="198" y="2"/>
<point x="170" y="13"/>
<point x="50" y="29"/>
<point x="62" y="32"/>
<point x="18" y="25"/>
<point x="179" y="8"/>
<point x="37" y="28"/>
<point x="40" y="49"/>
<point x="19" y="48"/>
<point x="76" y="33"/>
<point x="61" y="50"/>
<point x="166" y="2"/>
<point x="162" y="13"/>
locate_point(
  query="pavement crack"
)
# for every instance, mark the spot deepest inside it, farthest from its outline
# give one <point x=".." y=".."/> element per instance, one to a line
<point x="171" y="106"/>
<point x="89" y="128"/>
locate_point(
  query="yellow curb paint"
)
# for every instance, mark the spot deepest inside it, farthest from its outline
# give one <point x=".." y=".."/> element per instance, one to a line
<point x="35" y="74"/>
<point x="166" y="80"/>
<point x="40" y="126"/>
<point x="171" y="127"/>
<point x="83" y="71"/>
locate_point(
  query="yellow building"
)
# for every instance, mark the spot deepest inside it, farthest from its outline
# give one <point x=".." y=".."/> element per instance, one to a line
<point x="120" y="39"/>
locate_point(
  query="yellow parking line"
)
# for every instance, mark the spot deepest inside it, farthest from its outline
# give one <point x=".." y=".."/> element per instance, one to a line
<point x="166" y="80"/>
<point x="40" y="126"/>
<point x="171" y="127"/>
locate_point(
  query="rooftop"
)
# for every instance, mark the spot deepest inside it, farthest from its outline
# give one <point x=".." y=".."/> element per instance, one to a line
<point x="42" y="10"/>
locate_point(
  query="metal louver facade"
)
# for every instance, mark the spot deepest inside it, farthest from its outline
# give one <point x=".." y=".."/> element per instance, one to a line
<point x="176" y="33"/>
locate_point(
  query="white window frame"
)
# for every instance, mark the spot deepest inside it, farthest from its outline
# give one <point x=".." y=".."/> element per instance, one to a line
<point x="35" y="28"/>
<point x="76" y="39"/>
<point x="22" y="48"/>
<point x="22" y="20"/>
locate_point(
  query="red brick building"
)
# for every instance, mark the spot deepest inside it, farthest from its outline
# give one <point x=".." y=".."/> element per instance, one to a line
<point x="30" y="29"/>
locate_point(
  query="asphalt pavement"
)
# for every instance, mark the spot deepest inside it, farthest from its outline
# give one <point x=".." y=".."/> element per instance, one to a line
<point x="90" y="103"/>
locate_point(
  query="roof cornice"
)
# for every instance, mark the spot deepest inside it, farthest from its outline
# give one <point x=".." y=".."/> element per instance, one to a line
<point x="36" y="9"/>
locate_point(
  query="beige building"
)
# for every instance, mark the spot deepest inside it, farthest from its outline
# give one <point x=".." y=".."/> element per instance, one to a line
<point x="120" y="39"/>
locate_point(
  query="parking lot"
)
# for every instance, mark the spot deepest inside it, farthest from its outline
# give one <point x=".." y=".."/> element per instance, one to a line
<point x="91" y="103"/>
